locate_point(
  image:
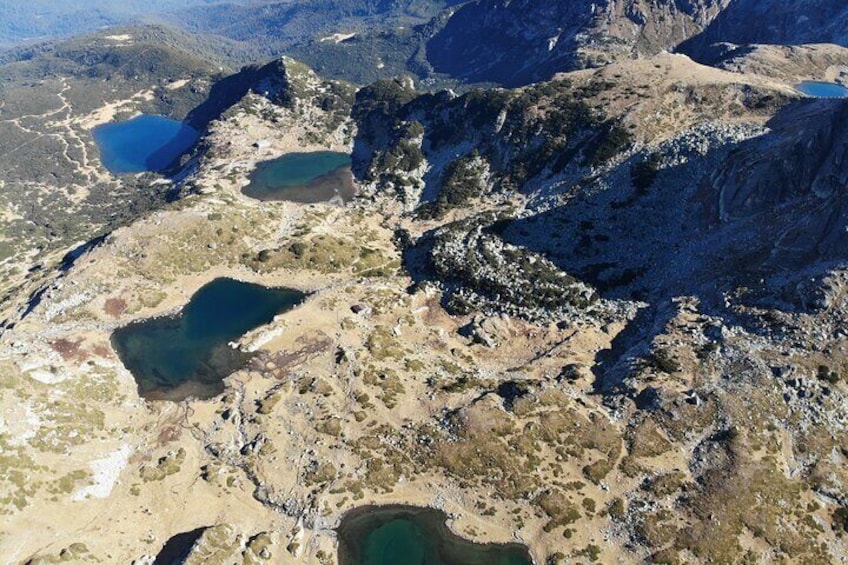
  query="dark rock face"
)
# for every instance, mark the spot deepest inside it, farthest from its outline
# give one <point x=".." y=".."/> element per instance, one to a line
<point x="510" y="42"/>
<point x="519" y="42"/>
<point x="774" y="22"/>
<point x="712" y="210"/>
<point x="270" y="80"/>
<point x="800" y="186"/>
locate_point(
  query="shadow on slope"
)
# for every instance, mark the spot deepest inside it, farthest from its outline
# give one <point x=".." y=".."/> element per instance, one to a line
<point x="772" y="22"/>
<point x="746" y="222"/>
<point x="228" y="91"/>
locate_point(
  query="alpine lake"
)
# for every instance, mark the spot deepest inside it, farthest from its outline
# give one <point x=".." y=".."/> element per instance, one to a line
<point x="823" y="89"/>
<point x="188" y="354"/>
<point x="144" y="143"/>
<point x="306" y="178"/>
<point x="391" y="535"/>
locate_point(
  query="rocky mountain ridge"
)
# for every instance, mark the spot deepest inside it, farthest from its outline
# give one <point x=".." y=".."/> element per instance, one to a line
<point x="773" y="22"/>
<point x="518" y="42"/>
<point x="688" y="228"/>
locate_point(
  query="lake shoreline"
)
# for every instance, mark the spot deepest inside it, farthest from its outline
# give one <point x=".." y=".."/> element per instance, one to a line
<point x="359" y="527"/>
<point x="303" y="178"/>
<point x="188" y="354"/>
<point x="145" y="143"/>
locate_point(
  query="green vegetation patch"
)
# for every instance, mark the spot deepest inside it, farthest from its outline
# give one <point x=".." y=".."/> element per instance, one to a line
<point x="326" y="254"/>
<point x="165" y="466"/>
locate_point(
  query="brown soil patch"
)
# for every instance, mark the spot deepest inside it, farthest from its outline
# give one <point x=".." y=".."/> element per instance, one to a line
<point x="69" y="350"/>
<point x="115" y="307"/>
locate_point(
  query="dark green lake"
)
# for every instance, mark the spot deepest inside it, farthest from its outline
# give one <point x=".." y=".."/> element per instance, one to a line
<point x="145" y="143"/>
<point x="408" y="535"/>
<point x="303" y="177"/>
<point x="188" y="354"/>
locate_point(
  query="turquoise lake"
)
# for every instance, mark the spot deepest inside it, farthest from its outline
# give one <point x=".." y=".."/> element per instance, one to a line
<point x="406" y="535"/>
<point x="144" y="143"/>
<point x="188" y="354"/>
<point x="823" y="89"/>
<point x="303" y="177"/>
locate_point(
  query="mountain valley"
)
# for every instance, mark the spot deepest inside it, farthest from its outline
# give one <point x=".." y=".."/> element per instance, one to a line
<point x="589" y="298"/>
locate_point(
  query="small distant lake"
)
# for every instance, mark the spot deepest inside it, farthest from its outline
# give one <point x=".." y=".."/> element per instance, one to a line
<point x="144" y="143"/>
<point x="303" y="177"/>
<point x="823" y="89"/>
<point x="188" y="354"/>
<point x="389" y="535"/>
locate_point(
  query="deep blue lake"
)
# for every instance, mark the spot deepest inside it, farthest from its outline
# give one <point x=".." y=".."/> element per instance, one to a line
<point x="188" y="354"/>
<point x="303" y="177"/>
<point x="145" y="143"/>
<point x="408" y="535"/>
<point x="823" y="89"/>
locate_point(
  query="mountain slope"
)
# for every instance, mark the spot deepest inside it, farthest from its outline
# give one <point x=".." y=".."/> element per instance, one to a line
<point x="729" y="268"/>
<point x="578" y="341"/>
<point x="54" y="192"/>
<point x="518" y="42"/>
<point x="773" y="22"/>
<point x="602" y="315"/>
